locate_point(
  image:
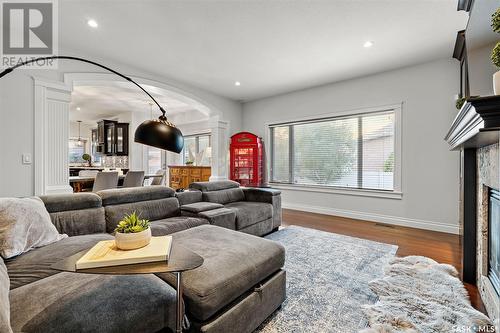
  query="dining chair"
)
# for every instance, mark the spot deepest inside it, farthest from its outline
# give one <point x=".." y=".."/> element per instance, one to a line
<point x="134" y="179"/>
<point x="88" y="173"/>
<point x="158" y="180"/>
<point x="105" y="180"/>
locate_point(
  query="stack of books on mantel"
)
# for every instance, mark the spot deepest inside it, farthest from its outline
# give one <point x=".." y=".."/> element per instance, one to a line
<point x="105" y="254"/>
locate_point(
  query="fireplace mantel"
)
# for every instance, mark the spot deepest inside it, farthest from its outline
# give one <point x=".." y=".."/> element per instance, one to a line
<point x="476" y="125"/>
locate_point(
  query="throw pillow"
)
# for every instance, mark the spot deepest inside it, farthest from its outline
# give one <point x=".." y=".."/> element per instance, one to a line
<point x="4" y="299"/>
<point x="25" y="224"/>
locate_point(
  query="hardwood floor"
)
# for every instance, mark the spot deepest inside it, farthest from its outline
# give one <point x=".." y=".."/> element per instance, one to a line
<point x="442" y="247"/>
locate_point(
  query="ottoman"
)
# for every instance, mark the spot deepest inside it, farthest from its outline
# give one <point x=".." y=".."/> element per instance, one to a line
<point x="240" y="283"/>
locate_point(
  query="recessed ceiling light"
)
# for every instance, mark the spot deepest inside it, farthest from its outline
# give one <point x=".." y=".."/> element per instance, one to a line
<point x="237" y="83"/>
<point x="368" y="43"/>
<point x="92" y="23"/>
<point x="78" y="109"/>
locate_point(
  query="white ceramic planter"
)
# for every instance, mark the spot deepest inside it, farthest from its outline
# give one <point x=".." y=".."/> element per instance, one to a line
<point x="496" y="83"/>
<point x="132" y="241"/>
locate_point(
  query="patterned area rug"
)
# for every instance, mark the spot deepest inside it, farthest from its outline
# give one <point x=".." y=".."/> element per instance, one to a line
<point x="327" y="281"/>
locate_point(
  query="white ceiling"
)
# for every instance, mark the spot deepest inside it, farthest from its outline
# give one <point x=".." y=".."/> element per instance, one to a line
<point x="269" y="46"/>
<point x="109" y="101"/>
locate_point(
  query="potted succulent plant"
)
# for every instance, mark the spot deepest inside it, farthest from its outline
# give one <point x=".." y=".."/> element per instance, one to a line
<point x="495" y="54"/>
<point x="132" y="232"/>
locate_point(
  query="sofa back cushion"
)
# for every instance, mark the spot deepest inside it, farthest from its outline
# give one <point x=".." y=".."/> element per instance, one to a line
<point x="224" y="196"/>
<point x="150" y="202"/>
<point x="4" y="299"/>
<point x="134" y="194"/>
<point x="214" y="186"/>
<point x="77" y="213"/>
<point x="189" y="197"/>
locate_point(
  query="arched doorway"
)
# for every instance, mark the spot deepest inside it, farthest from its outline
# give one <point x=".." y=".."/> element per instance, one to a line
<point x="52" y="107"/>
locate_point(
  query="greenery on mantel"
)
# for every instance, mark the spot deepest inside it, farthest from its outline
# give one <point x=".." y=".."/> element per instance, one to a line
<point x="460" y="102"/>
<point x="495" y="55"/>
<point x="495" y="21"/>
<point x="495" y="25"/>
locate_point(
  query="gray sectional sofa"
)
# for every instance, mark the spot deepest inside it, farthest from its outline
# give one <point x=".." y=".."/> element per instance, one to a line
<point x="254" y="211"/>
<point x="233" y="291"/>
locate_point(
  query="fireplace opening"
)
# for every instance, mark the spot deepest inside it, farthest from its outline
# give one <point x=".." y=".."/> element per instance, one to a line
<point x="494" y="239"/>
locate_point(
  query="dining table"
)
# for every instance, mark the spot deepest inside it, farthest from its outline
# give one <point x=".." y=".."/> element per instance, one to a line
<point x="78" y="182"/>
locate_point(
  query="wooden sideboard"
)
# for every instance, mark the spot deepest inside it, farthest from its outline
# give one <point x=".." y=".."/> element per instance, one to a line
<point x="180" y="176"/>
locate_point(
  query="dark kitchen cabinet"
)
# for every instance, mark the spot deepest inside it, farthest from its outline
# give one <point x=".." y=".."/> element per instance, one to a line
<point x="112" y="137"/>
<point x="95" y="145"/>
<point x="121" y="144"/>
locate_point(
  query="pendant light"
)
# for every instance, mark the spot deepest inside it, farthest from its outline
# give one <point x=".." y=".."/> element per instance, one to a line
<point x="159" y="133"/>
<point x="79" y="143"/>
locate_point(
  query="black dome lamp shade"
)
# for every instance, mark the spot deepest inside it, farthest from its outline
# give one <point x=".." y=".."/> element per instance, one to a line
<point x="158" y="133"/>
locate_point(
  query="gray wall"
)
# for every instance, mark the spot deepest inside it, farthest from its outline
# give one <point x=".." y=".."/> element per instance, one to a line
<point x="481" y="70"/>
<point x="429" y="170"/>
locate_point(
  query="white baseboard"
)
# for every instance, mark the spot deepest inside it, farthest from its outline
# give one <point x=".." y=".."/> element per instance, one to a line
<point x="394" y="220"/>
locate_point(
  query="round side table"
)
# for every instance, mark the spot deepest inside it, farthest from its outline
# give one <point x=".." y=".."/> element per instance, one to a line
<point x="180" y="260"/>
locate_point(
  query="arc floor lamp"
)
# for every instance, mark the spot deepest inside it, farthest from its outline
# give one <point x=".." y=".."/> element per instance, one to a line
<point x="159" y="133"/>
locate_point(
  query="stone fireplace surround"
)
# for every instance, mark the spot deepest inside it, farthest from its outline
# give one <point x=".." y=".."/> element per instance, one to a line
<point x="475" y="132"/>
<point x="488" y="176"/>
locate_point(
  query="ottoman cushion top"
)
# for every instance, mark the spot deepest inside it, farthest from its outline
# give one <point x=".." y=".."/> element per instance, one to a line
<point x="202" y="206"/>
<point x="174" y="224"/>
<point x="234" y="263"/>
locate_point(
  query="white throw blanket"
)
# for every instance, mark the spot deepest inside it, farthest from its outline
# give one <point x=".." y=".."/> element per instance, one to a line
<point x="418" y="294"/>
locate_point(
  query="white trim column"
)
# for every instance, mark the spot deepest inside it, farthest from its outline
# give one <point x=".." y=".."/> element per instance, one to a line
<point x="219" y="130"/>
<point x="51" y="137"/>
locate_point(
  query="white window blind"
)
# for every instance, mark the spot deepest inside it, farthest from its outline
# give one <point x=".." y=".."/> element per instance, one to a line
<point x="197" y="147"/>
<point x="354" y="151"/>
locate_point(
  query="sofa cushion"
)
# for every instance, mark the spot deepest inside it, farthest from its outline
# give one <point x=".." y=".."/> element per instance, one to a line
<point x="76" y="213"/>
<point x="35" y="265"/>
<point x="152" y="210"/>
<point x="4" y="299"/>
<point x="70" y="302"/>
<point x="248" y="213"/>
<point x="224" y="196"/>
<point x="203" y="206"/>
<point x="73" y="201"/>
<point x="188" y="197"/>
<point x="214" y="186"/>
<point x="174" y="224"/>
<point x="80" y="222"/>
<point x="221" y="217"/>
<point x="25" y="224"/>
<point x="234" y="263"/>
<point x="135" y="194"/>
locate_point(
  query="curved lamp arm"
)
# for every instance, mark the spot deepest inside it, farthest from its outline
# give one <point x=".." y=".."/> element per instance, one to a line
<point x="158" y="133"/>
<point x="10" y="69"/>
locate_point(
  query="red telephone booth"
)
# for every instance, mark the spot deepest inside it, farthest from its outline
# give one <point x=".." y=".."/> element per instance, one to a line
<point x="246" y="161"/>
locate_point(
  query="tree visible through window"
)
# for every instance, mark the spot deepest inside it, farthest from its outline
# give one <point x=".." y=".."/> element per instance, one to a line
<point x="355" y="151"/>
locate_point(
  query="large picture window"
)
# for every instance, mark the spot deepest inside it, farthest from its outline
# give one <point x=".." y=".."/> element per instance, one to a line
<point x="354" y="151"/>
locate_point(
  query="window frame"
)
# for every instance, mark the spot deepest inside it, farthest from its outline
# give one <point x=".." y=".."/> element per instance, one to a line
<point x="85" y="142"/>
<point x="197" y="143"/>
<point x="396" y="193"/>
